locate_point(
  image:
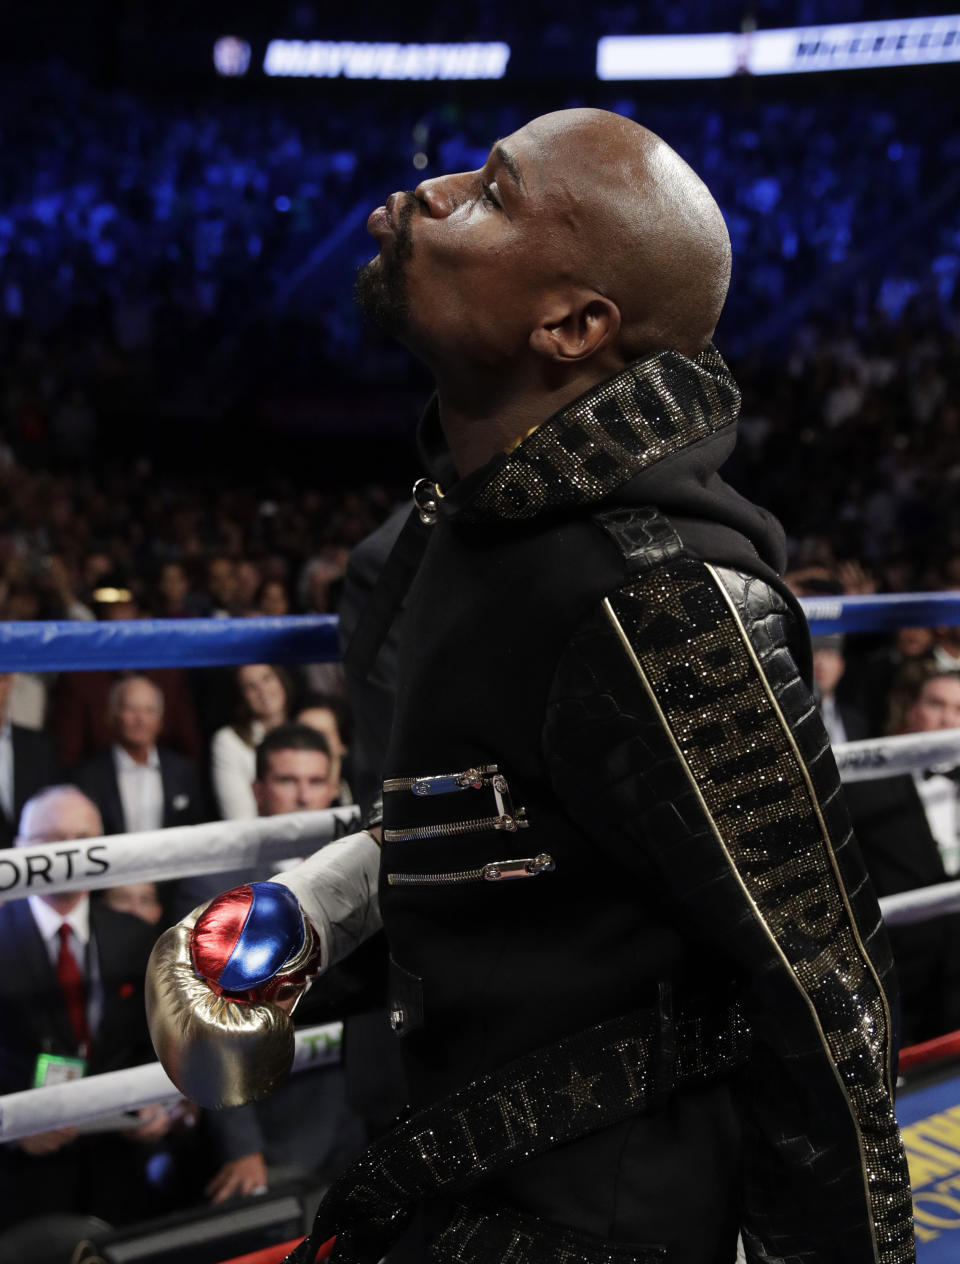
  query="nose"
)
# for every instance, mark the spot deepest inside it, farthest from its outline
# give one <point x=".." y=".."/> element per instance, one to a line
<point x="441" y="195"/>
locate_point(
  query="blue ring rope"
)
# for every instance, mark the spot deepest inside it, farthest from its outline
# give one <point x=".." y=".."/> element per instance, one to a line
<point x="84" y="646"/>
<point x="884" y="613"/>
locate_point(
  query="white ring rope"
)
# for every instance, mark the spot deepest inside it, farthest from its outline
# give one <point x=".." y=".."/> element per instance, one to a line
<point x="112" y="1094"/>
<point x="891" y="756"/>
<point x="186" y="851"/>
<point x="906" y="908"/>
<point x="163" y="855"/>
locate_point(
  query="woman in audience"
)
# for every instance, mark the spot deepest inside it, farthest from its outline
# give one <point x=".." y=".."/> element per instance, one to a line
<point x="264" y="702"/>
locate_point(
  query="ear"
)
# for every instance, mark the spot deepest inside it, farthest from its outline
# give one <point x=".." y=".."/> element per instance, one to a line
<point x="576" y="326"/>
<point x="259" y="794"/>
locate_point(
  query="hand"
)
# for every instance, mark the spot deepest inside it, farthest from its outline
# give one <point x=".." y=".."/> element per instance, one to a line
<point x="243" y="1176"/>
<point x="856" y="581"/>
<point x="47" y="1142"/>
<point x="220" y="986"/>
<point x="154" y="1123"/>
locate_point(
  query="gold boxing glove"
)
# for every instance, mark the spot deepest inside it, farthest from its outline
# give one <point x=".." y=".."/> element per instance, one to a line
<point x="220" y="988"/>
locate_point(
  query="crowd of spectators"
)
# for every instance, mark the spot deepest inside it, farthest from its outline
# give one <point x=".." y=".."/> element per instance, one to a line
<point x="159" y="256"/>
<point x="564" y="21"/>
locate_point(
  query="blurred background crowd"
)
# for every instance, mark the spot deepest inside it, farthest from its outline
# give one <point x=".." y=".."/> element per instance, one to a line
<point x="194" y="422"/>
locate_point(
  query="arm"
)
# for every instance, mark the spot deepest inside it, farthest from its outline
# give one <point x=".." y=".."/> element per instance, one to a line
<point x="222" y="983"/>
<point x="239" y="1138"/>
<point x="337" y="891"/>
<point x="681" y="739"/>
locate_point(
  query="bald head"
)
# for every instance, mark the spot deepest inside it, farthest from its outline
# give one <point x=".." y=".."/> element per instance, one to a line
<point x="581" y="223"/>
<point x="58" y="814"/>
<point x="631" y="220"/>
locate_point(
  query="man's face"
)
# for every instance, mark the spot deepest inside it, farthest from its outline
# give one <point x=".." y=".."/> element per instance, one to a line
<point x="173" y="583"/>
<point x="937" y="707"/>
<point x="828" y="668"/>
<point x="60" y="817"/>
<point x="295" y="781"/>
<point x="138" y="714"/>
<point x="466" y="258"/>
<point x="221" y="581"/>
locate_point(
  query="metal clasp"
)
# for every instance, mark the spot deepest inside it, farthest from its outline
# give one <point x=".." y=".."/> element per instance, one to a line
<point x="427" y="496"/>
<point x="528" y="868"/>
<point x="446" y="783"/>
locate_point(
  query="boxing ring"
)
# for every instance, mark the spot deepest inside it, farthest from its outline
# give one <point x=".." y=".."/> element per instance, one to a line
<point x="929" y="1103"/>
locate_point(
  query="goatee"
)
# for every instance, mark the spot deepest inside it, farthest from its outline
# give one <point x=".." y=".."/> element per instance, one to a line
<point x="380" y="290"/>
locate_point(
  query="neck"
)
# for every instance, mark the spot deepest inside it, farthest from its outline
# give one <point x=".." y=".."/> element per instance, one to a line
<point x="139" y="754"/>
<point x="478" y="423"/>
<point x="65" y="903"/>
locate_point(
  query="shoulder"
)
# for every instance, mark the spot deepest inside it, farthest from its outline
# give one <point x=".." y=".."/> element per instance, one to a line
<point x="130" y="936"/>
<point x="94" y="768"/>
<point x="31" y="739"/>
<point x="227" y="741"/>
<point x="173" y="761"/>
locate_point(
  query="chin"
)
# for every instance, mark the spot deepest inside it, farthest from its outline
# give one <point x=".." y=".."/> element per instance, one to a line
<point x="381" y="295"/>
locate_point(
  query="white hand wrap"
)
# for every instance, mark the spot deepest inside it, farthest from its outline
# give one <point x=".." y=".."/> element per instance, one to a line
<point x="337" y="890"/>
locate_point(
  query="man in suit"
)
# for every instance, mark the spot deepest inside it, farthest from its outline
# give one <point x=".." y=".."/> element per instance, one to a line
<point x="136" y="784"/>
<point x="907" y="828"/>
<point x="843" y="721"/>
<point x="28" y="762"/>
<point x="79" y="719"/>
<point x="71" y="995"/>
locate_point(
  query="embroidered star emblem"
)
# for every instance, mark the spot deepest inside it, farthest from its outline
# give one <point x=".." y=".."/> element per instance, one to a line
<point x="580" y="1090"/>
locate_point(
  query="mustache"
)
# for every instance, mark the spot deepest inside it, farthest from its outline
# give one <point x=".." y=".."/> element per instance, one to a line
<point x="403" y="216"/>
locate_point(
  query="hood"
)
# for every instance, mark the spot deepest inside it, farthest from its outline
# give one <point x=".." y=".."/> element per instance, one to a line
<point x="654" y="434"/>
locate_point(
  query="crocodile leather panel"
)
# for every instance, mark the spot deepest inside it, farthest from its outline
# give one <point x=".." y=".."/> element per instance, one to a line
<point x="652" y="409"/>
<point x="644" y="536"/>
<point x="680" y="734"/>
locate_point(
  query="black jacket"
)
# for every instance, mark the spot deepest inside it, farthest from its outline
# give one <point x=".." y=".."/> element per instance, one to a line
<point x="598" y="618"/>
<point x="901" y="854"/>
<point x="183" y="802"/>
<point x="35" y="766"/>
<point x="34" y="1015"/>
<point x="97" y="1174"/>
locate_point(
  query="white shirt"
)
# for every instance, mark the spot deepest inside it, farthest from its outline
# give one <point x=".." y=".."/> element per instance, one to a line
<point x="6" y="772"/>
<point x="141" y="791"/>
<point x="48" y="922"/>
<point x="939" y="798"/>
<point x="233" y="767"/>
<point x="832" y="721"/>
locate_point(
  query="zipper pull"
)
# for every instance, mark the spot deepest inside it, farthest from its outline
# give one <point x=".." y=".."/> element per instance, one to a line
<point x="529" y="868"/>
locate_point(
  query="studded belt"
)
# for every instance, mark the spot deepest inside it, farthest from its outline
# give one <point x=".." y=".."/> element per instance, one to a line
<point x="585" y="1082"/>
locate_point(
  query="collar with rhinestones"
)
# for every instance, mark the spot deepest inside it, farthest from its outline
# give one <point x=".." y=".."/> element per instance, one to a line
<point x="653" y="408"/>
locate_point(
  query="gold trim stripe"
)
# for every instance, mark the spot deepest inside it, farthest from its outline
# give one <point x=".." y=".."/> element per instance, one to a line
<point x="692" y="640"/>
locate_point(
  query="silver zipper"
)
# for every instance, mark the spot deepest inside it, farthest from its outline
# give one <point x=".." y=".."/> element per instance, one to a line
<point x="444" y="783"/>
<point x="451" y="829"/>
<point x="495" y="871"/>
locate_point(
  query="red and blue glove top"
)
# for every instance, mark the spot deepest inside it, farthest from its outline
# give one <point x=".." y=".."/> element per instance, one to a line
<point x="246" y="937"/>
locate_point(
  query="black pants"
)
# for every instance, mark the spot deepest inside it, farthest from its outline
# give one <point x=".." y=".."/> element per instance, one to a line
<point x="667" y="1179"/>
